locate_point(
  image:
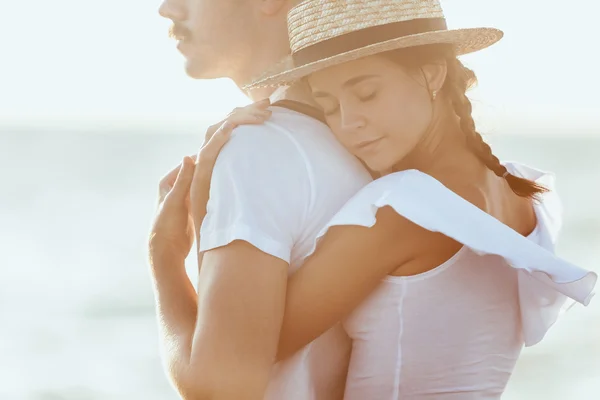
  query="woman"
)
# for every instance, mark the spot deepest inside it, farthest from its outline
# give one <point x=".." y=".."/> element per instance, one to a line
<point x="464" y="273"/>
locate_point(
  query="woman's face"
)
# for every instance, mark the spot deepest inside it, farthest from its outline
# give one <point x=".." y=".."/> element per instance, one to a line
<point x="377" y="109"/>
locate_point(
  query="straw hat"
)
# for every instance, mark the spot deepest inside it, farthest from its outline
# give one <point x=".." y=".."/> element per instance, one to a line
<point x="324" y="33"/>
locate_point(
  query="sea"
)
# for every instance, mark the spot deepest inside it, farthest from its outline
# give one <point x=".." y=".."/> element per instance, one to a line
<point x="77" y="317"/>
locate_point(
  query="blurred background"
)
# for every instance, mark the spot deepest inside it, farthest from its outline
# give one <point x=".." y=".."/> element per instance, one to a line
<point x="95" y="107"/>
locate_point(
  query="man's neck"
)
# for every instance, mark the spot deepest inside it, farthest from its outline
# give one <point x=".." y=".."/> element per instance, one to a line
<point x="271" y="57"/>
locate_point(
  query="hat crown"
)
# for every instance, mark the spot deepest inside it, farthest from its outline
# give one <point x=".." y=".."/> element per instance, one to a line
<point x="314" y="21"/>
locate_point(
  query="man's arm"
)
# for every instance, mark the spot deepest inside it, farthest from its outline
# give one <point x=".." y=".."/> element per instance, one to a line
<point x="225" y="348"/>
<point x="176" y="308"/>
<point x="241" y="297"/>
<point x="246" y="241"/>
<point x="170" y="241"/>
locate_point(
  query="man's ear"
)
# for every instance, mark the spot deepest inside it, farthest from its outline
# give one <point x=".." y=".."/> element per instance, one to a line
<point x="273" y="7"/>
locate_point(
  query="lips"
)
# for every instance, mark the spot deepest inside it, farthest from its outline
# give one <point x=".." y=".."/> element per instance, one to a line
<point x="366" y="144"/>
<point x="182" y="47"/>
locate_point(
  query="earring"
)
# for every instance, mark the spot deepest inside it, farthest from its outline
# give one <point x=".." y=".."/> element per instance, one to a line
<point x="434" y="95"/>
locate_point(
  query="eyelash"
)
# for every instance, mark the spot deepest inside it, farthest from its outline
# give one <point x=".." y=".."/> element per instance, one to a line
<point x="363" y="99"/>
<point x="368" y="98"/>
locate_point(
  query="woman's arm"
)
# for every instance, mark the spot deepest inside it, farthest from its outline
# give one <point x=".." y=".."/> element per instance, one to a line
<point x="349" y="264"/>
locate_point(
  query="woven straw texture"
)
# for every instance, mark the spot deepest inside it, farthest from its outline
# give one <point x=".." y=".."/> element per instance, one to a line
<point x="314" y="21"/>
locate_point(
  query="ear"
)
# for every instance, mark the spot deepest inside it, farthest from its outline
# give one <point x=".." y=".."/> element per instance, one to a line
<point x="435" y="73"/>
<point x="273" y="7"/>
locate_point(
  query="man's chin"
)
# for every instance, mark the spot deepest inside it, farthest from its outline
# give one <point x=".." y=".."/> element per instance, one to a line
<point x="197" y="70"/>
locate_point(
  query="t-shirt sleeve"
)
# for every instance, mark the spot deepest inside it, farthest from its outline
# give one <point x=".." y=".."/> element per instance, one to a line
<point x="260" y="192"/>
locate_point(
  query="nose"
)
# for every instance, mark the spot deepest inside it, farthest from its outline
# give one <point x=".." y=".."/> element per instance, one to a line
<point x="352" y="121"/>
<point x="173" y="10"/>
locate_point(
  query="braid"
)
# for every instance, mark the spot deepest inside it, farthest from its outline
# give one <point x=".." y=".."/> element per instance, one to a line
<point x="458" y="81"/>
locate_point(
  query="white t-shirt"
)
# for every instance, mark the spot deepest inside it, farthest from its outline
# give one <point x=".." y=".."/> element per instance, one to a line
<point x="275" y="186"/>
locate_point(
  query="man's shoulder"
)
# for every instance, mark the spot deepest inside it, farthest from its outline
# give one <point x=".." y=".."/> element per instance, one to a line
<point x="291" y="144"/>
<point x="286" y="133"/>
<point x="264" y="142"/>
<point x="283" y="119"/>
<point x="266" y="151"/>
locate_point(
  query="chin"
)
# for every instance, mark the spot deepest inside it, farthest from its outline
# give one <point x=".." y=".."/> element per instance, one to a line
<point x="379" y="166"/>
<point x="195" y="68"/>
<point x="195" y="71"/>
<point x="380" y="162"/>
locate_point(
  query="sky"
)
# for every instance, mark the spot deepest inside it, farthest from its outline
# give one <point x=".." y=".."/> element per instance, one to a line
<point x="73" y="61"/>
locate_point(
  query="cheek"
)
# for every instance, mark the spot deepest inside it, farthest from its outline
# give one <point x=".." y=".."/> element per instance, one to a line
<point x="408" y="113"/>
<point x="343" y="137"/>
<point x="216" y="44"/>
<point x="210" y="23"/>
<point x="402" y="114"/>
<point x="382" y="121"/>
<point x="202" y="25"/>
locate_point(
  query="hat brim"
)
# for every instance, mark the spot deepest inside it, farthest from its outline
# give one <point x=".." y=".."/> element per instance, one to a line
<point x="465" y="41"/>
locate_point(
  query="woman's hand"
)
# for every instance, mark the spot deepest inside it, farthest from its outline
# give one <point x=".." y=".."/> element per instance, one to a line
<point x="255" y="113"/>
<point x="184" y="191"/>
<point x="216" y="137"/>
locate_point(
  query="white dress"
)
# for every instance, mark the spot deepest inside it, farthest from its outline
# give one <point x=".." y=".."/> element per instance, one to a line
<point x="455" y="332"/>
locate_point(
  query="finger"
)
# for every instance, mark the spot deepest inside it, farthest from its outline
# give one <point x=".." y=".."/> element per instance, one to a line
<point x="212" y="147"/>
<point x="207" y="156"/>
<point x="264" y="103"/>
<point x="167" y="182"/>
<point x="253" y="117"/>
<point x="259" y="105"/>
<point x="205" y="163"/>
<point x="211" y="131"/>
<point x="183" y="181"/>
<point x="254" y="113"/>
<point x="246" y="117"/>
<point x="263" y="113"/>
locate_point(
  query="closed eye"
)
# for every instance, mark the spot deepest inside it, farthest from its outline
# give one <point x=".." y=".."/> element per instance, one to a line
<point x="362" y="99"/>
<point x="369" y="97"/>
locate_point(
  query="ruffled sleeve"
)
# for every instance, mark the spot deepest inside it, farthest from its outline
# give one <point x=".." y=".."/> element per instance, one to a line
<point x="547" y="283"/>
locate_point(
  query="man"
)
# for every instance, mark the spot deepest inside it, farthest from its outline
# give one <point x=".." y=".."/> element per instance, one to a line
<point x="274" y="186"/>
